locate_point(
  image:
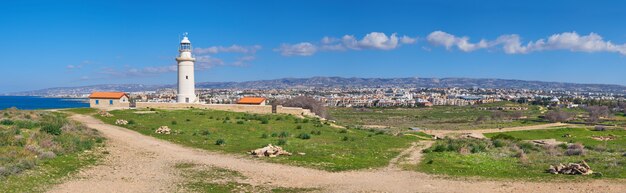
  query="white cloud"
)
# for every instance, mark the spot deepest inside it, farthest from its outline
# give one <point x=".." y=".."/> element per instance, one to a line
<point x="230" y="49"/>
<point x="373" y="40"/>
<point x="512" y="44"/>
<point x="440" y="38"/>
<point x="299" y="49"/>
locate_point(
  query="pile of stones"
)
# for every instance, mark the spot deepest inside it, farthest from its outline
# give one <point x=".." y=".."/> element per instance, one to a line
<point x="269" y="151"/>
<point x="121" y="122"/>
<point x="163" y="130"/>
<point x="571" y="169"/>
<point x="105" y="114"/>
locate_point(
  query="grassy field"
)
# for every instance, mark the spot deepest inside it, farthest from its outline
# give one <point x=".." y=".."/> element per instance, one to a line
<point x="507" y="156"/>
<point x="39" y="148"/>
<point x="324" y="147"/>
<point x="201" y="178"/>
<point x="437" y="117"/>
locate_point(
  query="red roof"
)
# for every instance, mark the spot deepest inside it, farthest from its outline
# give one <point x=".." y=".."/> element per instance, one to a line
<point x="251" y="100"/>
<point x="107" y="95"/>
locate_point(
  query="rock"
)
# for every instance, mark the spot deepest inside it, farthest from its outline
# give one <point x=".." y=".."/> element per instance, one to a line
<point x="571" y="169"/>
<point x="163" y="130"/>
<point x="121" y="122"/>
<point x="105" y="114"/>
<point x="269" y="151"/>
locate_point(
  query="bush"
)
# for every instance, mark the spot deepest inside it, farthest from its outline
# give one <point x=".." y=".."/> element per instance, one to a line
<point x="316" y="132"/>
<point x="6" y="122"/>
<point x="26" y="124"/>
<point x="274" y="134"/>
<point x="187" y="120"/>
<point x="283" y="134"/>
<point x="264" y="121"/>
<point x="299" y="127"/>
<point x="174" y="122"/>
<point x="575" y="149"/>
<point x="220" y="142"/>
<point x="503" y="136"/>
<point x="240" y="122"/>
<point x="599" y="128"/>
<point x="345" y="138"/>
<point x="343" y="131"/>
<point x="304" y="136"/>
<point x="282" y="142"/>
<point x="264" y="135"/>
<point x="131" y="122"/>
<point x="51" y="128"/>
<point x="205" y="132"/>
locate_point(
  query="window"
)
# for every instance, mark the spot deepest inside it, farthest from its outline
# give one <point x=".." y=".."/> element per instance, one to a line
<point x="110" y="102"/>
<point x="187" y="77"/>
<point x="97" y="102"/>
<point x="187" y="100"/>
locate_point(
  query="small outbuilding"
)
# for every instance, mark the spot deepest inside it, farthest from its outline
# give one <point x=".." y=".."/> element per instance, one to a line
<point x="252" y="101"/>
<point x="109" y="100"/>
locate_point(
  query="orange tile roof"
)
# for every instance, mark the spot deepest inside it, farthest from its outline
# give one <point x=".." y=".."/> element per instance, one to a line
<point x="251" y="100"/>
<point x="107" y="95"/>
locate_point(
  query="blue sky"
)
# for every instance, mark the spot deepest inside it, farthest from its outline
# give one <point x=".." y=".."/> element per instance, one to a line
<point x="72" y="43"/>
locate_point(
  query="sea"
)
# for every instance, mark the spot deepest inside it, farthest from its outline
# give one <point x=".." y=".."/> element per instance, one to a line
<point x="33" y="102"/>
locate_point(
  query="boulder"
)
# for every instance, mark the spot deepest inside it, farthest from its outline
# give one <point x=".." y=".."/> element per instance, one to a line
<point x="121" y="122"/>
<point x="269" y="151"/>
<point x="571" y="169"/>
<point x="105" y="114"/>
<point x="163" y="130"/>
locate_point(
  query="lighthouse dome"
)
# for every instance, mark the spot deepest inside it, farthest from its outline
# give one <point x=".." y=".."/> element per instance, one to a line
<point x="185" y="40"/>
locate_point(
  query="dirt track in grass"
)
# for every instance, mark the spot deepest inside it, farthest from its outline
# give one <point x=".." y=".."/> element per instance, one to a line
<point x="139" y="163"/>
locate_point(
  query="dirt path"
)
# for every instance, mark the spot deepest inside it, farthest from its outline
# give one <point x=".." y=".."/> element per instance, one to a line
<point x="139" y="163"/>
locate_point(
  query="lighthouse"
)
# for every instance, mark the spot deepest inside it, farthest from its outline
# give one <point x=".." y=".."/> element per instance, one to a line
<point x="186" y="83"/>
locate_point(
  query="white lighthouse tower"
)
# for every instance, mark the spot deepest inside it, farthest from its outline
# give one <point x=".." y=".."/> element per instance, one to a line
<point x="186" y="83"/>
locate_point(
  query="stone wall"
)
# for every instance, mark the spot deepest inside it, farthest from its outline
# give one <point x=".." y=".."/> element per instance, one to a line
<point x="260" y="109"/>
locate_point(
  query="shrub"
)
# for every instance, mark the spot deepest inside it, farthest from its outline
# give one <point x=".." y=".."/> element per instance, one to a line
<point x="174" y="122"/>
<point x="264" y="135"/>
<point x="599" y="128"/>
<point x="345" y="138"/>
<point x="220" y="142"/>
<point x="282" y="142"/>
<point x="283" y="134"/>
<point x="227" y="118"/>
<point x="152" y="109"/>
<point x="264" y="121"/>
<point x="304" y="136"/>
<point x="305" y="121"/>
<point x="240" y="122"/>
<point x="6" y="122"/>
<point x="316" y="132"/>
<point x="274" y="134"/>
<point x="299" y="127"/>
<point x="187" y="120"/>
<point x="575" y="149"/>
<point x="343" y="131"/>
<point x="205" y="132"/>
<point x="503" y="136"/>
<point x="51" y="128"/>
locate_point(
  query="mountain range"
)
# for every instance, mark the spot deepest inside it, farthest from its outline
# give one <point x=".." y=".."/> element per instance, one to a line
<point x="340" y="82"/>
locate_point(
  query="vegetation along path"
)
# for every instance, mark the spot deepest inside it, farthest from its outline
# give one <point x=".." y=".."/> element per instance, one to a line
<point x="139" y="163"/>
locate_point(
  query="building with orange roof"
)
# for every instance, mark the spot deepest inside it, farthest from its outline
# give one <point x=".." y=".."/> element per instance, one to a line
<point x="252" y="101"/>
<point x="109" y="100"/>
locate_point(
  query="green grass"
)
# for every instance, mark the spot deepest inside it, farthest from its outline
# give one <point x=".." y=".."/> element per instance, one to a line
<point x="39" y="148"/>
<point x="437" y="117"/>
<point x="580" y="135"/>
<point x="200" y="178"/>
<point x="47" y="173"/>
<point x="500" y="158"/>
<point x="327" y="148"/>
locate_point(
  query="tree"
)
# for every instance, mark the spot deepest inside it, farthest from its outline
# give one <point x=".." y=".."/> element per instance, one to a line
<point x="306" y="102"/>
<point x="558" y="116"/>
<point x="597" y="112"/>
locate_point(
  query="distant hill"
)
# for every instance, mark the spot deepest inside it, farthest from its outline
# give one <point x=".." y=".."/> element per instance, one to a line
<point x="340" y="82"/>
